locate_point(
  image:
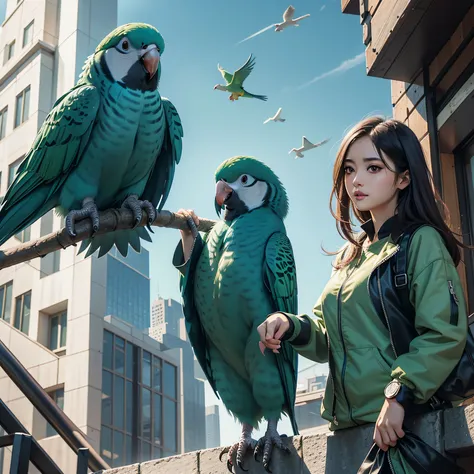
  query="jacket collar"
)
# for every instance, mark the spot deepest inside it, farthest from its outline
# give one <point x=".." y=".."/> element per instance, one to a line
<point x="390" y="227"/>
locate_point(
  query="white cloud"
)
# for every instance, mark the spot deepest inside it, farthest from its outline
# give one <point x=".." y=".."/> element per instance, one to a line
<point x="343" y="67"/>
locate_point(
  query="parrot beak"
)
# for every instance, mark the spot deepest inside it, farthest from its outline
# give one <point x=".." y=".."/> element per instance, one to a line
<point x="223" y="190"/>
<point x="150" y="59"/>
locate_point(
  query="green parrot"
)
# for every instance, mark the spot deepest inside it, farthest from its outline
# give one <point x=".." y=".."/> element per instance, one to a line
<point x="235" y="82"/>
<point x="110" y="141"/>
<point x="239" y="272"/>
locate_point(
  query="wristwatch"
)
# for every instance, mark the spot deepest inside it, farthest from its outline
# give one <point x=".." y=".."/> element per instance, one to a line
<point x="395" y="390"/>
<point x="392" y="389"/>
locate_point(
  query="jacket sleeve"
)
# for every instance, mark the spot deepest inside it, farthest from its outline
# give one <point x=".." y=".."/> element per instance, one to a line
<point x="441" y="318"/>
<point x="309" y="335"/>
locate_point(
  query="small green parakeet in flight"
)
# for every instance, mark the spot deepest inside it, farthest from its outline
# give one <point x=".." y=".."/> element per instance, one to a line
<point x="110" y="141"/>
<point x="239" y="272"/>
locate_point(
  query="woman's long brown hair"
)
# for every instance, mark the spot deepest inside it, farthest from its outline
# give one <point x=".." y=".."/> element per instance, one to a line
<point x="418" y="203"/>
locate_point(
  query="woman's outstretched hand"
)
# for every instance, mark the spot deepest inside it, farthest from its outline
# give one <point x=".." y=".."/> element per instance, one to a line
<point x="271" y="331"/>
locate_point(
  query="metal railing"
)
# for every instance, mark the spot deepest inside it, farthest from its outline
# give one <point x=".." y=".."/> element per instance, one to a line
<point x="25" y="447"/>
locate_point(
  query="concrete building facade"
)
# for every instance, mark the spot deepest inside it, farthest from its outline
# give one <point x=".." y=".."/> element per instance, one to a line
<point x="52" y="309"/>
<point x="213" y="427"/>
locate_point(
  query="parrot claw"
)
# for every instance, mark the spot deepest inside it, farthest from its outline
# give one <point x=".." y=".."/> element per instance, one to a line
<point x="265" y="446"/>
<point x="229" y="466"/>
<point x="89" y="209"/>
<point x="136" y="206"/>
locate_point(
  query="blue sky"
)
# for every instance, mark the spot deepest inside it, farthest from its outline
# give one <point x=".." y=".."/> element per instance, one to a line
<point x="198" y="36"/>
<point x="315" y="72"/>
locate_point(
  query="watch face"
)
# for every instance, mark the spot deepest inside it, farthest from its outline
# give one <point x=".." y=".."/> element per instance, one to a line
<point x="392" y="389"/>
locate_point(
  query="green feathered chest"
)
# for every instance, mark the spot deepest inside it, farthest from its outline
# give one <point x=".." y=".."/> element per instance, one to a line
<point x="229" y="289"/>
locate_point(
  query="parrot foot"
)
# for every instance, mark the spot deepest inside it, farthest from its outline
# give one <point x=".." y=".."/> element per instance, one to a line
<point x="89" y="209"/>
<point x="245" y="443"/>
<point x="265" y="445"/>
<point x="136" y="206"/>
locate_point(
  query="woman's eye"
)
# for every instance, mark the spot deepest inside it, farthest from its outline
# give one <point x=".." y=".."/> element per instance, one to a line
<point x="374" y="168"/>
<point x="347" y="169"/>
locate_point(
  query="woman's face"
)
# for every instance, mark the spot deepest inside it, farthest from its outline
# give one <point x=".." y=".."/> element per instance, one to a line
<point x="370" y="185"/>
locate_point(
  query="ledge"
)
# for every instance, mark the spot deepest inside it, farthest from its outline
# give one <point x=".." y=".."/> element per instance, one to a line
<point x="451" y="432"/>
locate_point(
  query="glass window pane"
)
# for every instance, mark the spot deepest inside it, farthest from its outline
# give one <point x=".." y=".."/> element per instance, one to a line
<point x="118" y="449"/>
<point x="146" y="368"/>
<point x="27" y="234"/>
<point x="8" y="303"/>
<point x="19" y="107"/>
<point x="157" y="419"/>
<point x="129" y="407"/>
<point x="106" y="397"/>
<point x="119" y="402"/>
<point x="18" y="306"/>
<point x="25" y="320"/>
<point x="106" y="444"/>
<point x="59" y="397"/>
<point x="108" y="350"/>
<point x="156" y="453"/>
<point x="53" y="335"/>
<point x="170" y="420"/>
<point x="2" y="298"/>
<point x="146" y="413"/>
<point x="26" y="106"/>
<point x="119" y="360"/>
<point x="128" y="450"/>
<point x="145" y="451"/>
<point x="169" y="379"/>
<point x="62" y="341"/>
<point x="129" y="356"/>
<point x="157" y="373"/>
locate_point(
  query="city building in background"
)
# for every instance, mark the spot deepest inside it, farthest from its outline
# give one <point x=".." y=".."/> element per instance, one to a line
<point x="168" y="327"/>
<point x="77" y="324"/>
<point x="213" y="427"/>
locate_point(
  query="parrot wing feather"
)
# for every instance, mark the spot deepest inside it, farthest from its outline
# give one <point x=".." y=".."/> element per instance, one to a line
<point x="243" y="72"/>
<point x="58" y="146"/>
<point x="280" y="281"/>
<point x="159" y="183"/>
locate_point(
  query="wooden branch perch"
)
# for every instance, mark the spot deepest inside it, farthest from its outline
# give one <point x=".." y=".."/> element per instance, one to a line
<point x="110" y="220"/>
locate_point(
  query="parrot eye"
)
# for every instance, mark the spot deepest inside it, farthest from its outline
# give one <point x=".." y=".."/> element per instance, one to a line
<point x="244" y="179"/>
<point x="123" y="46"/>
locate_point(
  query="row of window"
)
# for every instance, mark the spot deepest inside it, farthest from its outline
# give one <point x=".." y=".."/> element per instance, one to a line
<point x="22" y="111"/>
<point x="139" y="404"/>
<point x="20" y="317"/>
<point x="27" y="39"/>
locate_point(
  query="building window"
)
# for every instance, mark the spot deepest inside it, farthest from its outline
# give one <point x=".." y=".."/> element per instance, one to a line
<point x="28" y="34"/>
<point x="6" y="301"/>
<point x="139" y="418"/>
<point x="58" y="331"/>
<point x="22" y="312"/>
<point x="50" y="263"/>
<point x="3" y="122"/>
<point x="22" y="110"/>
<point x="9" y="52"/>
<point x="25" y="234"/>
<point x="58" y="397"/>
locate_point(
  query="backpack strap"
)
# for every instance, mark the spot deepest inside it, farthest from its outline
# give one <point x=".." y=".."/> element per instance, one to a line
<point x="400" y="278"/>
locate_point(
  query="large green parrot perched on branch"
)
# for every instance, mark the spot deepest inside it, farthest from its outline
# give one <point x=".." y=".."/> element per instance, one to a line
<point x="238" y="273"/>
<point x="110" y="141"/>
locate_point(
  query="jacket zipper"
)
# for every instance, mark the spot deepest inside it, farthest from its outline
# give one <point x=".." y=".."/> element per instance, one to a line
<point x="390" y="462"/>
<point x="380" y="294"/>
<point x="454" y="305"/>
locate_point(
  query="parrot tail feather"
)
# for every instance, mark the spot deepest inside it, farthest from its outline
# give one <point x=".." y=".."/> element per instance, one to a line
<point x="120" y="238"/>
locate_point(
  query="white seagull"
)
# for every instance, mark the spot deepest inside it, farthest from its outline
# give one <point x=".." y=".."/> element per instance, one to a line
<point x="276" y="117"/>
<point x="288" y="19"/>
<point x="306" y="145"/>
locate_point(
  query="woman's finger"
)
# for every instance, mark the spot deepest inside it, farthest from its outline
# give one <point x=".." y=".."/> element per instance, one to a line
<point x="378" y="440"/>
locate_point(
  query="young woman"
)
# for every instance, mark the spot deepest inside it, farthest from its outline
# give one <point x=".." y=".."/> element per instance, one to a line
<point x="381" y="178"/>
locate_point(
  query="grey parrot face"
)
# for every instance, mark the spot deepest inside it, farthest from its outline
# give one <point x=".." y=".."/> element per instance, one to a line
<point x="243" y="195"/>
<point x="132" y="67"/>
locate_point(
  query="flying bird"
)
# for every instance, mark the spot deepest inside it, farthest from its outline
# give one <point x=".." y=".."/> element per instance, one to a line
<point x="276" y="117"/>
<point x="306" y="145"/>
<point x="110" y="141"/>
<point x="288" y="19"/>
<point x="242" y="270"/>
<point x="234" y="82"/>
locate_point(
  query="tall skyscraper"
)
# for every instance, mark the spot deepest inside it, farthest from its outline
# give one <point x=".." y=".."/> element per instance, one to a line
<point x="213" y="428"/>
